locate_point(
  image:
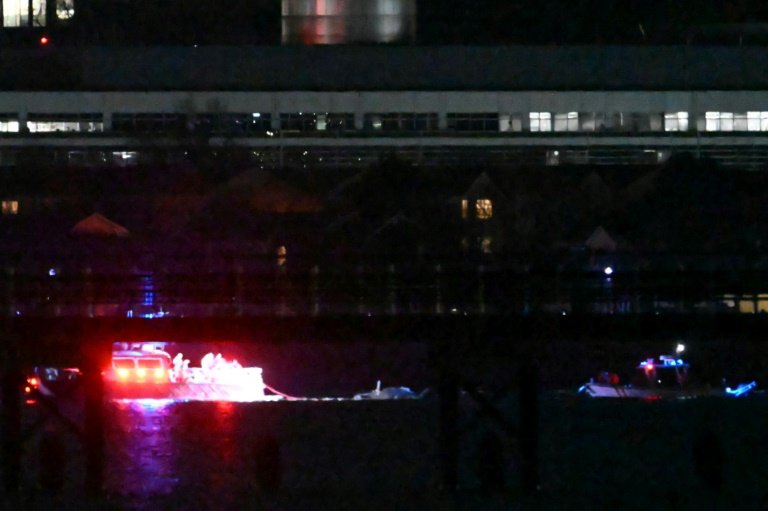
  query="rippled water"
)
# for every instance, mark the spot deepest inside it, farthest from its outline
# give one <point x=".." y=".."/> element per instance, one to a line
<point x="162" y="454"/>
<point x="594" y="454"/>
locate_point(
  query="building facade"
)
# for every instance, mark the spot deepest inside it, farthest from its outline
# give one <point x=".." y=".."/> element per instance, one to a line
<point x="342" y="106"/>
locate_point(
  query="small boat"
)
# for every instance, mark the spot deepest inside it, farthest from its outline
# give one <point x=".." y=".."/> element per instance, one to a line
<point x="665" y="378"/>
<point x="153" y="373"/>
<point x="389" y="393"/>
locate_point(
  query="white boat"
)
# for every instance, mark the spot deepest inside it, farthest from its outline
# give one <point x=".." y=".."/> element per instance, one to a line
<point x="665" y="378"/>
<point x="153" y="373"/>
<point x="389" y="393"/>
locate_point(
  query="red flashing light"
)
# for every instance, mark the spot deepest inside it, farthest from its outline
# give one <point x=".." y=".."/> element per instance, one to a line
<point x="44" y="40"/>
<point x="27" y="390"/>
<point x="141" y="373"/>
<point x="122" y="373"/>
<point x="32" y="381"/>
<point x="159" y="374"/>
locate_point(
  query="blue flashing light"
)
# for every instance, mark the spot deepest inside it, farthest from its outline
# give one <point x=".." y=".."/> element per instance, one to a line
<point x="152" y="315"/>
<point x="52" y="272"/>
<point x="742" y="390"/>
<point x="608" y="270"/>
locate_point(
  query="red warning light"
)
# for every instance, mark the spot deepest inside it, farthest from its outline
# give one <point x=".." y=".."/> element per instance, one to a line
<point x="44" y="40"/>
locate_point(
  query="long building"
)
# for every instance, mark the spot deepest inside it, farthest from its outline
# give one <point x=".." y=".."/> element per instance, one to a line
<point x="340" y="106"/>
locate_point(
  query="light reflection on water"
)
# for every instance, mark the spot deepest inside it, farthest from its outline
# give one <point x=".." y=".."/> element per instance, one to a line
<point x="212" y="455"/>
<point x="188" y="453"/>
<point x="141" y="434"/>
<point x="202" y="455"/>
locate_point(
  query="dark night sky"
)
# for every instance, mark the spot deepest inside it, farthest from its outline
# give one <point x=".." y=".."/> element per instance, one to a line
<point x="578" y="21"/>
<point x="438" y="22"/>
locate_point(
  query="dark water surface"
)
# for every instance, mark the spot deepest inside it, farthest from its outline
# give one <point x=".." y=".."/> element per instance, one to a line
<point x="223" y="455"/>
<point x="593" y="454"/>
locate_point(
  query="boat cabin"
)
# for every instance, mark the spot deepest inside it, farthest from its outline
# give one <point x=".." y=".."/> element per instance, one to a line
<point x="141" y="366"/>
<point x="668" y="372"/>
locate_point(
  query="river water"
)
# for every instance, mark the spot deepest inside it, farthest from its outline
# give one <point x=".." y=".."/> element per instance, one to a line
<point x="593" y="454"/>
<point x="332" y="452"/>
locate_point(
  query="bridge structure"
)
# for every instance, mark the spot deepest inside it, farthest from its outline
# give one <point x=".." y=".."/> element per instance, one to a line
<point x="466" y="317"/>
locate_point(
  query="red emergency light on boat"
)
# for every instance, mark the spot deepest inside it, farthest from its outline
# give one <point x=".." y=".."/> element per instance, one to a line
<point x="152" y="367"/>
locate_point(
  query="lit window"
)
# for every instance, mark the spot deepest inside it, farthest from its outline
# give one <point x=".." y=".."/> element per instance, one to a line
<point x="484" y="209"/>
<point x="9" y="207"/>
<point x="589" y="121"/>
<point x="321" y="123"/>
<point x="757" y="121"/>
<point x="676" y="121"/>
<point x="9" y="126"/>
<point x="23" y="13"/>
<point x="65" y="9"/>
<point x="464" y="209"/>
<point x="567" y="122"/>
<point x="504" y="123"/>
<point x="718" y="121"/>
<point x="747" y="306"/>
<point x="740" y="121"/>
<point x="485" y="245"/>
<point x="46" y="123"/>
<point x="541" y="121"/>
<point x="512" y="122"/>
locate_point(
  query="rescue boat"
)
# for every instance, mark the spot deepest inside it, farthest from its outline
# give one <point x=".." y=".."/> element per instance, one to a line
<point x="668" y="377"/>
<point x="153" y="373"/>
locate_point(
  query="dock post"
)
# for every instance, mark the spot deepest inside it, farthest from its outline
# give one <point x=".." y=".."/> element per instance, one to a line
<point x="448" y="395"/>
<point x="10" y="428"/>
<point x="449" y="414"/>
<point x="96" y="356"/>
<point x="529" y="427"/>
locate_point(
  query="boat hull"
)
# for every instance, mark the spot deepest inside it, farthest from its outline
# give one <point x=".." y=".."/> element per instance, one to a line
<point x="188" y="392"/>
<point x="605" y="390"/>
